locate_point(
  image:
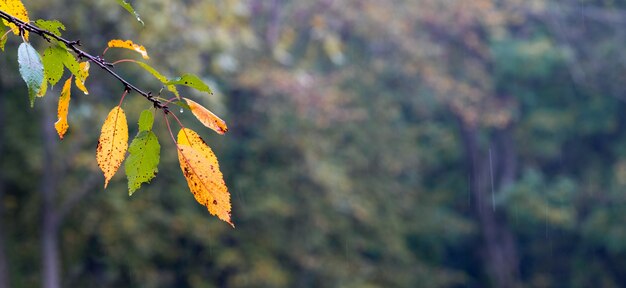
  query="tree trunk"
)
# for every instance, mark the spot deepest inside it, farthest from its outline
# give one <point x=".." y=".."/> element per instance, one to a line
<point x="4" y="267"/>
<point x="50" y="228"/>
<point x="486" y="167"/>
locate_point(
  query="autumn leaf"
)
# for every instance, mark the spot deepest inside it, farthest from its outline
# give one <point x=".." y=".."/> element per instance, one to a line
<point x="129" y="45"/>
<point x="31" y="69"/>
<point x="64" y="102"/>
<point x="112" y="144"/>
<point x="192" y="81"/>
<point x="16" y="9"/>
<point x="206" y="117"/>
<point x="130" y="9"/>
<point x="83" y="73"/>
<point x="53" y="26"/>
<point x="202" y="172"/>
<point x="144" y="152"/>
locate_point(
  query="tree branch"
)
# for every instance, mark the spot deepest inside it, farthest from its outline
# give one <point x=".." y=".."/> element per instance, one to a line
<point x="73" y="45"/>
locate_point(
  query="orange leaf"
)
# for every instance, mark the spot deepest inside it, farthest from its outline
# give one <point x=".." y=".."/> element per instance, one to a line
<point x="83" y="73"/>
<point x="129" y="45"/>
<point x="16" y="9"/>
<point x="64" y="102"/>
<point x="112" y="144"/>
<point x="206" y="117"/>
<point x="203" y="175"/>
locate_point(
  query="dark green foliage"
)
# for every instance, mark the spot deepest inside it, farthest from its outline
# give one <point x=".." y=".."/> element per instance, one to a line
<point x="351" y="175"/>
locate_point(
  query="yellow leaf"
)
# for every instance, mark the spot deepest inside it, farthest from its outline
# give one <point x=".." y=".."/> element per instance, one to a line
<point x="16" y="9"/>
<point x="129" y="45"/>
<point x="112" y="144"/>
<point x="200" y="167"/>
<point x="44" y="86"/>
<point x="83" y="73"/>
<point x="206" y="117"/>
<point x="64" y="103"/>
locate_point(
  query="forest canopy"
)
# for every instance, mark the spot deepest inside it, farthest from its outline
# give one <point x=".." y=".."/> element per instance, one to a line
<point x="408" y="143"/>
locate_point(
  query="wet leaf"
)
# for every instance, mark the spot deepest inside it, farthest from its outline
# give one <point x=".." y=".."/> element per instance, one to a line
<point x="53" y="63"/>
<point x="117" y="43"/>
<point x="64" y="102"/>
<point x="144" y="153"/>
<point x="54" y="26"/>
<point x="159" y="76"/>
<point x="112" y="144"/>
<point x="206" y="117"/>
<point x="83" y="73"/>
<point x="192" y="81"/>
<point x="16" y="9"/>
<point x="202" y="172"/>
<point x="31" y="69"/>
<point x="130" y="9"/>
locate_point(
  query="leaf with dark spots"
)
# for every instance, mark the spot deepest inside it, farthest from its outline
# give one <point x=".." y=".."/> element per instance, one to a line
<point x="206" y="184"/>
<point x="112" y="144"/>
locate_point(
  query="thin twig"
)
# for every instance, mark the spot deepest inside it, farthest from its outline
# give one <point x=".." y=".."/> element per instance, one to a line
<point x="73" y="46"/>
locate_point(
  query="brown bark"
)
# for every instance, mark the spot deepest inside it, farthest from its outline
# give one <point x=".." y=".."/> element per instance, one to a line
<point x="499" y="247"/>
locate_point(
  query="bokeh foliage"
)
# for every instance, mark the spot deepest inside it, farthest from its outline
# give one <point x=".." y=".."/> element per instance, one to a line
<point x="344" y="155"/>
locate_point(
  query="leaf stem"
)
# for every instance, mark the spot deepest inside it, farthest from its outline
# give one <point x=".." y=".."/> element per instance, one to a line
<point x="6" y="34"/>
<point x="123" y="60"/>
<point x="169" y="128"/>
<point x="177" y="120"/>
<point x="123" y="95"/>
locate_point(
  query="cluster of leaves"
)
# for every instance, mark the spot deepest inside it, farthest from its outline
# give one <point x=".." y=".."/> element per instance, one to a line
<point x="197" y="161"/>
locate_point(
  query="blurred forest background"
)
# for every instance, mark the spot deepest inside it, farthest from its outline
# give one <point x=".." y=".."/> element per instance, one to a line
<point x="399" y="143"/>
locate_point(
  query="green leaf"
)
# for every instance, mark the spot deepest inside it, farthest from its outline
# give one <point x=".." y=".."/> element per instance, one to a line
<point x="144" y="153"/>
<point x="130" y="9"/>
<point x="146" y="119"/>
<point x="31" y="69"/>
<point x="4" y="38"/>
<point x="53" y="63"/>
<point x="71" y="63"/>
<point x="51" y="25"/>
<point x="159" y="76"/>
<point x="192" y="81"/>
<point x="57" y="54"/>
